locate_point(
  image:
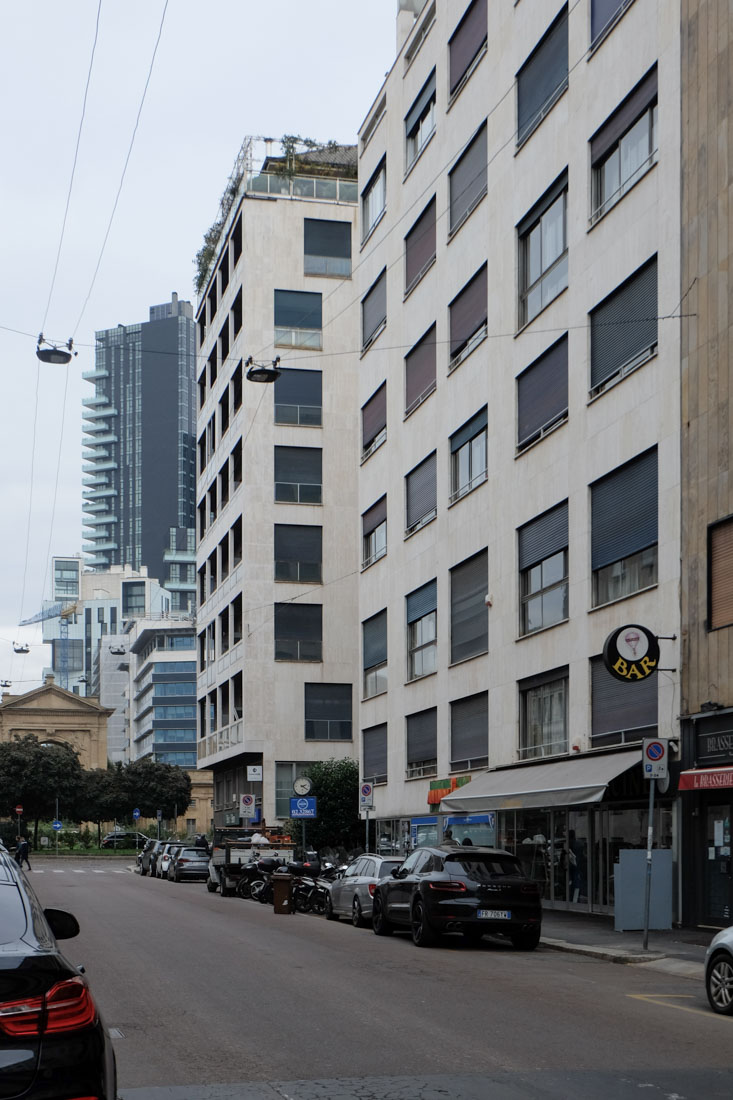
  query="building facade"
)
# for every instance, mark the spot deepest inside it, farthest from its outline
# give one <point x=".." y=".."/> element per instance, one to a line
<point x="57" y="716"/>
<point x="519" y="386"/>
<point x="277" y="481"/>
<point x="139" y="482"/>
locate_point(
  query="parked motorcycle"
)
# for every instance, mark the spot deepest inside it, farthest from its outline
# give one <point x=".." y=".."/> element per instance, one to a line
<point x="250" y="876"/>
<point x="261" y="888"/>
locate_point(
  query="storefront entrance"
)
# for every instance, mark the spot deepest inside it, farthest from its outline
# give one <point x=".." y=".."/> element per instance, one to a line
<point x="717" y="876"/>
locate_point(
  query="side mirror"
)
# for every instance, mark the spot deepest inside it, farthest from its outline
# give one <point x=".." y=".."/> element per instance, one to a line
<point x="63" y="925"/>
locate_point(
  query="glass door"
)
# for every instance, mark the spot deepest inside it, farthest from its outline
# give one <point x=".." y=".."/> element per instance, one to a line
<point x="717" y="861"/>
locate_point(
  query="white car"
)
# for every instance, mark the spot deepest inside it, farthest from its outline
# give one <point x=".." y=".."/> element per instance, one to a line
<point x="719" y="972"/>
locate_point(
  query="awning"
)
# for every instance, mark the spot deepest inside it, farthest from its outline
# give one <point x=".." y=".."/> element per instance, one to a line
<point x="569" y="782"/>
<point x="706" y="779"/>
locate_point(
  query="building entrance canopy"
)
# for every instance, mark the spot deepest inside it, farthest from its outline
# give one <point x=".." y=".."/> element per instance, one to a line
<point x="706" y="779"/>
<point x="570" y="782"/>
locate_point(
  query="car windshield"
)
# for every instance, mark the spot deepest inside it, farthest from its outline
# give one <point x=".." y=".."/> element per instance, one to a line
<point x="387" y="867"/>
<point x="481" y="868"/>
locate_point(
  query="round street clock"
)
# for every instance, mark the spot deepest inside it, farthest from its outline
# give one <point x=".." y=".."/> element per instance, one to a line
<point x="302" y="785"/>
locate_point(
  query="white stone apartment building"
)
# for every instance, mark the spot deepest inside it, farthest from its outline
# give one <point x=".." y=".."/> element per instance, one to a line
<point x="277" y="469"/>
<point x="518" y="263"/>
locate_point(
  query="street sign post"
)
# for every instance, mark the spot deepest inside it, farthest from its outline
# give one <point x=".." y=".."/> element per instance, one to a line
<point x="136" y="813"/>
<point x="654" y="759"/>
<point x="366" y="803"/>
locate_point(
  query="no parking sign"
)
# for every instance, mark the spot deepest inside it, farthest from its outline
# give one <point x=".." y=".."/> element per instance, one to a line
<point x="655" y="757"/>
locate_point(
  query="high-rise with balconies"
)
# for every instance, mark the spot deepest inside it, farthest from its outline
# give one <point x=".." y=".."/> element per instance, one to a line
<point x="139" y="435"/>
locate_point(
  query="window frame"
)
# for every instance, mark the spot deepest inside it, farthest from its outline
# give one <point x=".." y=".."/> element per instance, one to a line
<point x="542" y="684"/>
<point x="279" y="639"/>
<point x="636" y="286"/>
<point x="480" y="422"/>
<point x="375" y="676"/>
<point x="540" y="541"/>
<point x="303" y="419"/>
<point x="535" y="220"/>
<point x="430" y="513"/>
<point x="378" y="179"/>
<point x="725" y="526"/>
<point x="280" y="499"/>
<point x="323" y="703"/>
<point x="309" y="337"/>
<point x="279" y="531"/>
<point x="410" y="370"/>
<point x="420" y="122"/>
<point x="374" y="544"/>
<point x="422" y="631"/>
<point x="467" y="21"/>
<point x="311" y="269"/>
<point x="545" y="375"/>
<point x="635" y="538"/>
<point x="377" y="289"/>
<point x="460" y="346"/>
<point x="459" y="213"/>
<point x="377" y="435"/>
<point x="423" y="226"/>
<point x="529" y="65"/>
<point x="421" y="768"/>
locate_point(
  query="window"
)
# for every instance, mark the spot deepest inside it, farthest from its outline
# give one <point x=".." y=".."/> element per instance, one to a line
<point x="327" y="248"/>
<point x="603" y="14"/>
<point x="298" y="319"/>
<point x="298" y="553"/>
<point x="468" y="314"/>
<point x="328" y="712"/>
<point x="298" y="397"/>
<point x="468" y="180"/>
<point x="420" y="371"/>
<point x="421" y="495"/>
<point x="543" y="718"/>
<point x="422" y="633"/>
<point x="133" y="598"/>
<point x="421" y="754"/>
<point x="468" y="456"/>
<point x="543" y="250"/>
<point x="623" y="328"/>
<point x="543" y="570"/>
<point x="621" y="712"/>
<point x="467" y="44"/>
<point x="625" y="146"/>
<point x="374" y="311"/>
<point x="720" y="574"/>
<point x="298" y="632"/>
<point x="298" y="478"/>
<point x="374" y="532"/>
<point x="174" y="712"/>
<point x="420" y="247"/>
<point x="542" y="394"/>
<point x="183" y="688"/>
<point x="624" y="529"/>
<point x="374" y="422"/>
<point x="420" y="121"/>
<point x="374" y="742"/>
<point x="543" y="77"/>
<point x="469" y="619"/>
<point x="373" y="200"/>
<point x="469" y="732"/>
<point x="286" y="771"/>
<point x="374" y="653"/>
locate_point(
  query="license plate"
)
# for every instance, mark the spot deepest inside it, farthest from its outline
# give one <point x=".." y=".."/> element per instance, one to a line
<point x="494" y="914"/>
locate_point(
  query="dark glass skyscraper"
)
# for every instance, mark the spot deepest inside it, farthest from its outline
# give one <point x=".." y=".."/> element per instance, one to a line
<point x="139" y="462"/>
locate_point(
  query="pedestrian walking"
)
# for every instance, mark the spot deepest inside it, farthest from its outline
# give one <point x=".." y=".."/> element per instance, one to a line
<point x="21" y="852"/>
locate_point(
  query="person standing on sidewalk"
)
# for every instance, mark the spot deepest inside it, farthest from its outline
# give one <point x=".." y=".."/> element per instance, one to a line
<point x="21" y="852"/>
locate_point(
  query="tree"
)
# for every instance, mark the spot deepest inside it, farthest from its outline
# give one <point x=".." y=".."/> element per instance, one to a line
<point x="336" y="786"/>
<point x="151" y="787"/>
<point x="35" y="775"/>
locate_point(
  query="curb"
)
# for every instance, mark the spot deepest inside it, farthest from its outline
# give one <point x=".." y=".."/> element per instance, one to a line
<point x="653" y="960"/>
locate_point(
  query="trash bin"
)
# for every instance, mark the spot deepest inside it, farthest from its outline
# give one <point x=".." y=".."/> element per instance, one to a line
<point x="282" y="893"/>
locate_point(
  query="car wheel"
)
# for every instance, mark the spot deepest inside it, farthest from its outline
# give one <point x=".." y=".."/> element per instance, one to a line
<point x="226" y="891"/>
<point x="212" y="886"/>
<point x="526" y="939"/>
<point x="472" y="934"/>
<point x="318" y="904"/>
<point x="380" y="925"/>
<point x="719" y="984"/>
<point x="143" y="872"/>
<point x="357" y="917"/>
<point x="330" y="915"/>
<point x="422" y="934"/>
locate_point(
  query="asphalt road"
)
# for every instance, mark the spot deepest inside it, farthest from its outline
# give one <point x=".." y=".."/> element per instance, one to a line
<point x="219" y="999"/>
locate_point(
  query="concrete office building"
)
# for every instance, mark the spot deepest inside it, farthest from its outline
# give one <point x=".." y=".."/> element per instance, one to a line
<point x="519" y="488"/>
<point x="139" y="482"/>
<point x="277" y="480"/>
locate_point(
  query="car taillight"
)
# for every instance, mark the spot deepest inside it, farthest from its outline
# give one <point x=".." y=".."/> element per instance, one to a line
<point x="372" y="888"/>
<point x="68" y="1006"/>
<point x="180" y="861"/>
<point x="454" y="887"/>
<point x="532" y="889"/>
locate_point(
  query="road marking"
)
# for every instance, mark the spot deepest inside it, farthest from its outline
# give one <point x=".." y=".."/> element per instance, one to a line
<point x="98" y="872"/>
<point x="665" y="999"/>
<point x="74" y="871"/>
<point x="55" y="872"/>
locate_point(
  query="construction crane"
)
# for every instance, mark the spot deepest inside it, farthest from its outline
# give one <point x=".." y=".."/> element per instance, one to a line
<point x="63" y="610"/>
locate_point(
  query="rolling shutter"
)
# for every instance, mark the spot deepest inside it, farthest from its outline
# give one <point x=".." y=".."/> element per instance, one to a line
<point x="466" y="41"/>
<point x="721" y="574"/>
<point x="624" y="326"/>
<point x="467" y="181"/>
<point x="421" y="491"/>
<point x="420" y="370"/>
<point x="374" y="416"/>
<point x="623" y="118"/>
<point x="374" y="633"/>
<point x="374" y="308"/>
<point x="469" y="621"/>
<point x="469" y="733"/>
<point x="542" y="392"/>
<point x="298" y="465"/>
<point x="422" y="736"/>
<point x="468" y="311"/>
<point x="471" y="428"/>
<point x="327" y="238"/>
<point x="621" y="707"/>
<point x="373" y="516"/>
<point x="298" y="387"/>
<point x="422" y="601"/>
<point x="297" y="309"/>
<point x="542" y="75"/>
<point x="427" y="93"/>
<point x="624" y="511"/>
<point x="420" y="245"/>
<point x="298" y="622"/>
<point x="544" y="536"/>
<point x="375" y="753"/>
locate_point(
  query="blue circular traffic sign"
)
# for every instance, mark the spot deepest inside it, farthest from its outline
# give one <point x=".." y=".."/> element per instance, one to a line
<point x="655" y="750"/>
<point x="136" y="813"/>
<point x="56" y="825"/>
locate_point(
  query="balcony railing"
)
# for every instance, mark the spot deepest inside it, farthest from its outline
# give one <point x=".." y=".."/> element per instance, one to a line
<point x="221" y="740"/>
<point x="303" y="187"/>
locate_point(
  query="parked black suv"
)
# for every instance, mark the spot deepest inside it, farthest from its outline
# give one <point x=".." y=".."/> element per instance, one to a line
<point x="459" y="889"/>
<point x="54" y="1044"/>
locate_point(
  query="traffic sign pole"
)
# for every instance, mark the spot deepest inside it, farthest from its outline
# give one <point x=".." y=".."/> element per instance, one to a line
<point x="648" y="883"/>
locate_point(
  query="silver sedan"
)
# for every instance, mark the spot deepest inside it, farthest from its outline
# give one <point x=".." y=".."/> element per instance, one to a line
<point x="719" y="972"/>
<point x="350" y="895"/>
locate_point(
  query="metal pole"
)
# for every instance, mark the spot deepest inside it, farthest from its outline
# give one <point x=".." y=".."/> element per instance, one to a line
<point x="303" y="840"/>
<point x="56" y="830"/>
<point x="648" y="884"/>
<point x="367" y="830"/>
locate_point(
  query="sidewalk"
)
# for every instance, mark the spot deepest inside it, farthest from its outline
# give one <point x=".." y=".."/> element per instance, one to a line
<point x="679" y="951"/>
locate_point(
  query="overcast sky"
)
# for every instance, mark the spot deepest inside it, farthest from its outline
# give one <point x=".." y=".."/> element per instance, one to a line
<point x="223" y="69"/>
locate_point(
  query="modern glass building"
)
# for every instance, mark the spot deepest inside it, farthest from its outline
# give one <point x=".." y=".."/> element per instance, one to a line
<point x="139" y="435"/>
